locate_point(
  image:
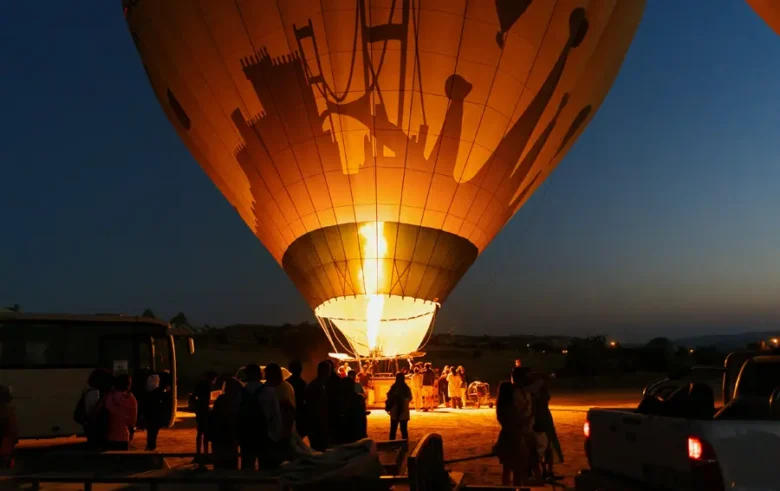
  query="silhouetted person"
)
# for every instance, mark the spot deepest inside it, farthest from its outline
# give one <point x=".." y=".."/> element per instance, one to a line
<point x="454" y="382"/>
<point x="98" y="385"/>
<point x="317" y="420"/>
<point x="526" y="391"/>
<point x="222" y="427"/>
<point x="285" y="395"/>
<point x="464" y="385"/>
<point x="398" y="398"/>
<point x="356" y="386"/>
<point x="259" y="423"/>
<point x="299" y="386"/>
<point x="333" y="391"/>
<point x="202" y="395"/>
<point x="444" y="396"/>
<point x="546" y="436"/>
<point x="154" y="410"/>
<point x="354" y="423"/>
<point x="513" y="445"/>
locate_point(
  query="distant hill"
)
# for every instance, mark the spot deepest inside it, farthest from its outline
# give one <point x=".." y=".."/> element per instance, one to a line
<point x="727" y="341"/>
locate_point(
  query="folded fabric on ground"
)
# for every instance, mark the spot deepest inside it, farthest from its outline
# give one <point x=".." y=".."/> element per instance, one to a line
<point x="354" y="460"/>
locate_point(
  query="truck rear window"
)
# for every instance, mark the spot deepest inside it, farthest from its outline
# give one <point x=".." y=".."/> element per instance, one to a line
<point x="759" y="380"/>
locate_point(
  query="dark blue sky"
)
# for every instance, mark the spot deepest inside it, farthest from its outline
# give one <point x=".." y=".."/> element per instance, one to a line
<point x="662" y="220"/>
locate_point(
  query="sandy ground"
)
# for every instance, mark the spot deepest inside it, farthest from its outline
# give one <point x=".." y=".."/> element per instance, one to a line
<point x="467" y="432"/>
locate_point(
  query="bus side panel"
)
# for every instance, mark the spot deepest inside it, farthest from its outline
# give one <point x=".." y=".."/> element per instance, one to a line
<point x="45" y="399"/>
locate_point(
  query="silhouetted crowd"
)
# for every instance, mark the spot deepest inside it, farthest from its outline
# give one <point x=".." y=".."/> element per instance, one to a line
<point x="266" y="420"/>
<point x="109" y="411"/>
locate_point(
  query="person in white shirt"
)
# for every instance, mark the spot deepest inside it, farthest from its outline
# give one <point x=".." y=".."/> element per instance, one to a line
<point x="454" y="382"/>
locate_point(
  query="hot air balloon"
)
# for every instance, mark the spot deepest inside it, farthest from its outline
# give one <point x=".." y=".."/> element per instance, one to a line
<point x="769" y="10"/>
<point x="377" y="147"/>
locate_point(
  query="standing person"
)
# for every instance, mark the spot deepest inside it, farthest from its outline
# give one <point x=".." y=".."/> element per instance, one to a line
<point x="417" y="384"/>
<point x="84" y="413"/>
<point x="511" y="448"/>
<point x="397" y="405"/>
<point x="356" y="386"/>
<point x="202" y="405"/>
<point x="524" y="394"/>
<point x="546" y="436"/>
<point x="285" y="395"/>
<point x="121" y="409"/>
<point x="453" y="387"/>
<point x="444" y="395"/>
<point x="353" y="417"/>
<point x="154" y="410"/>
<point x="317" y="419"/>
<point x="299" y="386"/>
<point x="436" y="397"/>
<point x="333" y="392"/>
<point x="259" y="424"/>
<point x="9" y="429"/>
<point x="464" y="385"/>
<point x="362" y="376"/>
<point x="222" y="427"/>
<point x="428" y="381"/>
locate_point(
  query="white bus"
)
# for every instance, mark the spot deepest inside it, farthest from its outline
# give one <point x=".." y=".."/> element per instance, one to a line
<point x="46" y="360"/>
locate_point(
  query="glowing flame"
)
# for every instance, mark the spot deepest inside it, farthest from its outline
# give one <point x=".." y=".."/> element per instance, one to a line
<point x="375" y="249"/>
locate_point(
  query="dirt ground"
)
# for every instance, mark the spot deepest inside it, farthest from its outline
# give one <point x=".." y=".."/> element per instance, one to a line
<point x="467" y="432"/>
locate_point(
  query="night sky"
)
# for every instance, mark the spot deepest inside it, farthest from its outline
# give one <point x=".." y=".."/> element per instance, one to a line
<point x="662" y="220"/>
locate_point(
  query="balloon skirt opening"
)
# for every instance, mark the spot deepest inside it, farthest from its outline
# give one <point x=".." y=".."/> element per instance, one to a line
<point x="377" y="325"/>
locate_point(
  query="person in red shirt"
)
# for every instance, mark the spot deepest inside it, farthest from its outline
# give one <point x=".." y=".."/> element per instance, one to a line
<point x="121" y="413"/>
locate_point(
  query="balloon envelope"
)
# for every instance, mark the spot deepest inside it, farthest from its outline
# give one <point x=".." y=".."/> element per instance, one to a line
<point x="769" y="10"/>
<point x="377" y="147"/>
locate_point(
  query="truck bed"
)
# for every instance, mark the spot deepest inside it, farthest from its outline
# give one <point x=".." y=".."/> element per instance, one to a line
<point x="654" y="450"/>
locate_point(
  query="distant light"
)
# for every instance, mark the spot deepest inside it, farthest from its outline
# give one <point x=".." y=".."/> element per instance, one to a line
<point x="586" y="432"/>
<point x="565" y="351"/>
<point x="775" y="341"/>
<point x="690" y="351"/>
<point x="613" y="343"/>
<point x="528" y="345"/>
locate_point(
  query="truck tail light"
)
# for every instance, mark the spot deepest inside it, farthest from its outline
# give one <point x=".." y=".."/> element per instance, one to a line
<point x="704" y="465"/>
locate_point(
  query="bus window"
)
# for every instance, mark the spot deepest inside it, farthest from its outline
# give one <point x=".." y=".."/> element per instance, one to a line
<point x="81" y="346"/>
<point x="125" y="354"/>
<point x="162" y="354"/>
<point x="145" y="361"/>
<point x="32" y="346"/>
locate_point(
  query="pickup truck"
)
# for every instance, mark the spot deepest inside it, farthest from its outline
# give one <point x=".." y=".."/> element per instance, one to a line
<point x="678" y="439"/>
